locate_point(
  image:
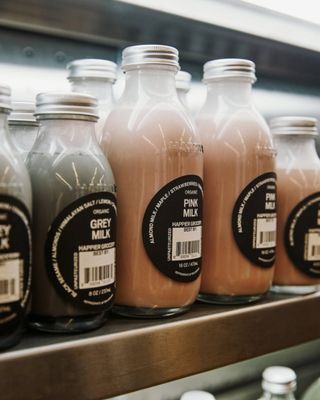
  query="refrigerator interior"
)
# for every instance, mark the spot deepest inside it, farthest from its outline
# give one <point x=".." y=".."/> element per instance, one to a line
<point x="38" y="38"/>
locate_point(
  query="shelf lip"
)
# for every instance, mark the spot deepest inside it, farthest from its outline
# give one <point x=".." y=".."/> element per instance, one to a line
<point x="149" y="330"/>
<point x="128" y="355"/>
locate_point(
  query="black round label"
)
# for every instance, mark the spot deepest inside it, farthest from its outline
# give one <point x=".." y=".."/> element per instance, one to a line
<point x="80" y="251"/>
<point x="172" y="228"/>
<point x="15" y="261"/>
<point x="254" y="220"/>
<point x="302" y="235"/>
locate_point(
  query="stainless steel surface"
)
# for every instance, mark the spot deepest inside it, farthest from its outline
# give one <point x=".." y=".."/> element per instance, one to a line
<point x="27" y="48"/>
<point x="127" y="355"/>
<point x="114" y="25"/>
<point x="242" y="380"/>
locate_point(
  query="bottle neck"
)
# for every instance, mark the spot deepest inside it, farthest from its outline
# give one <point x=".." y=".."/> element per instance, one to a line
<point x="270" y="396"/>
<point x="296" y="150"/>
<point x="151" y="81"/>
<point x="68" y="132"/>
<point x="235" y="92"/>
<point x="99" y="88"/>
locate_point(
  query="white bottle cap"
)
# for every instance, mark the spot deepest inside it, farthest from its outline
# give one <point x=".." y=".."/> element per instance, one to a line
<point x="197" y="395"/>
<point x="279" y="380"/>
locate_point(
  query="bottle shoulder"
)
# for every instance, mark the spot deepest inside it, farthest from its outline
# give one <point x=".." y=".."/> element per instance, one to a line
<point x="77" y="166"/>
<point x="222" y="114"/>
<point x="156" y="119"/>
<point x="241" y="129"/>
<point x="297" y="156"/>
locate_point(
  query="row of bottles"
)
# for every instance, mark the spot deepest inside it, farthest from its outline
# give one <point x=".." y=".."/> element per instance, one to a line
<point x="163" y="167"/>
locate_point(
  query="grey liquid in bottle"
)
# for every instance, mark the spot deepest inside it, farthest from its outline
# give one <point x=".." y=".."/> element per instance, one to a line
<point x="73" y="191"/>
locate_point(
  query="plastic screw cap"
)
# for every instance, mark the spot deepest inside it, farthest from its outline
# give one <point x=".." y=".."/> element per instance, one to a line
<point x="279" y="380"/>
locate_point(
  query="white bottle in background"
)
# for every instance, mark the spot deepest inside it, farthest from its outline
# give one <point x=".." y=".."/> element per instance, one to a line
<point x="95" y="77"/>
<point x="278" y="383"/>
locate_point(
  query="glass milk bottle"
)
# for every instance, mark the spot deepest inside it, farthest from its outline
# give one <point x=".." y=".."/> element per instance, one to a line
<point x="278" y="383"/>
<point x="297" y="267"/>
<point x="23" y="127"/>
<point x="15" y="233"/>
<point x="157" y="160"/>
<point x="183" y="85"/>
<point x="96" y="78"/>
<point x="239" y="235"/>
<point x="74" y="217"/>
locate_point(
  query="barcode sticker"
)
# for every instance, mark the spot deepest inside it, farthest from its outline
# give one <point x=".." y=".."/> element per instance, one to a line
<point x="96" y="268"/>
<point x="186" y="243"/>
<point x="265" y="232"/>
<point x="312" y="248"/>
<point x="10" y="280"/>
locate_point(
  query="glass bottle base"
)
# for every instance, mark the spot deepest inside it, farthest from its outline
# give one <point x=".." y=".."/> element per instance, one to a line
<point x="229" y="299"/>
<point x="295" y="289"/>
<point x="148" y="312"/>
<point x="68" y="324"/>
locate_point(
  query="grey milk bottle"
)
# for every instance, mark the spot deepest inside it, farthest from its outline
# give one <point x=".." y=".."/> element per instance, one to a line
<point x="15" y="233"/>
<point x="74" y="217"/>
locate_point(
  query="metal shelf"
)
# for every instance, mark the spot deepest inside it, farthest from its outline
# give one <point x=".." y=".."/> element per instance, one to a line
<point x="42" y="32"/>
<point x="127" y="355"/>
